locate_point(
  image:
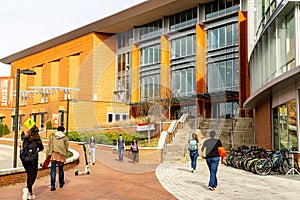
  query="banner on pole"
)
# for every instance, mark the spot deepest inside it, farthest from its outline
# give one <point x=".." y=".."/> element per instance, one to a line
<point x="6" y="92"/>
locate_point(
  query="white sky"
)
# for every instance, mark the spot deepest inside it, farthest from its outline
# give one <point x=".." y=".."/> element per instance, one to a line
<point x="25" y="23"/>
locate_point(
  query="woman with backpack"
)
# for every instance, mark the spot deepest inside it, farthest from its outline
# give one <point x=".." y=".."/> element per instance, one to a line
<point x="32" y="145"/>
<point x="193" y="147"/>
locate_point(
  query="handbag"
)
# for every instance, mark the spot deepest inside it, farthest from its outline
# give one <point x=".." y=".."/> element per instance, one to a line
<point x="222" y="151"/>
<point x="46" y="162"/>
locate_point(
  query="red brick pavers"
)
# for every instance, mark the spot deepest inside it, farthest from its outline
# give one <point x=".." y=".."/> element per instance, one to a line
<point x="109" y="179"/>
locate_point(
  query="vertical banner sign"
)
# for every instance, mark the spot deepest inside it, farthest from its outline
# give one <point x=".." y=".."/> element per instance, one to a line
<point x="55" y="120"/>
<point x="6" y="92"/>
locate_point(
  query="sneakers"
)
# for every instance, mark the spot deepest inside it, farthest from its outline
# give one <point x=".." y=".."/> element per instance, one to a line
<point x="211" y="188"/>
<point x="25" y="194"/>
<point x="53" y="188"/>
<point x="31" y="196"/>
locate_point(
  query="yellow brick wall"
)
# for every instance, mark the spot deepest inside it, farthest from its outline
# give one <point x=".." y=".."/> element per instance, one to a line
<point x="87" y="63"/>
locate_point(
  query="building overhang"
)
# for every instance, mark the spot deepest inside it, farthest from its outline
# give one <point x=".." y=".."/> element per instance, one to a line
<point x="220" y="95"/>
<point x="278" y="84"/>
<point x="138" y="15"/>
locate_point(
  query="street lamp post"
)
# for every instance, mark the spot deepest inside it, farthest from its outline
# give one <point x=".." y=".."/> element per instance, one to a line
<point x="26" y="72"/>
<point x="67" y="124"/>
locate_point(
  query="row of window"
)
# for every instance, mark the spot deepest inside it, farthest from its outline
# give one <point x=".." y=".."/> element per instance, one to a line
<point x="274" y="53"/>
<point x="222" y="36"/>
<point x="223" y="76"/>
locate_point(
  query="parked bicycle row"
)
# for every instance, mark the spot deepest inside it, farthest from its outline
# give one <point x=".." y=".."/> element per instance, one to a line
<point x="260" y="161"/>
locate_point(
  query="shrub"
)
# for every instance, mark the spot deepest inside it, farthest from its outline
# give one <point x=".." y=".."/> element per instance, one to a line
<point x="73" y="136"/>
<point x="49" y="125"/>
<point x="4" y="130"/>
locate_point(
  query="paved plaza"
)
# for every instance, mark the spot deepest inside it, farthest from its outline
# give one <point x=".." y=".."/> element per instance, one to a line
<point x="111" y="179"/>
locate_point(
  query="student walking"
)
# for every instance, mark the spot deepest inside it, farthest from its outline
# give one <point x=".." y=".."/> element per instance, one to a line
<point x="193" y="147"/>
<point x="58" y="148"/>
<point x="92" y="150"/>
<point x="121" y="147"/>
<point x="32" y="144"/>
<point x="212" y="158"/>
<point x="134" y="149"/>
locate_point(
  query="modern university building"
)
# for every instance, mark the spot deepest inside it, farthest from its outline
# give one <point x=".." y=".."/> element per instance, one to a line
<point x="274" y="67"/>
<point x="189" y="56"/>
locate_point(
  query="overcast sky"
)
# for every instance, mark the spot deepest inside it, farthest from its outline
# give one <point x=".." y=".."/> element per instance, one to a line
<point x="25" y="23"/>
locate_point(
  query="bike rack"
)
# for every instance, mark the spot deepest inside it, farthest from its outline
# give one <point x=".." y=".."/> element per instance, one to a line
<point x="293" y="169"/>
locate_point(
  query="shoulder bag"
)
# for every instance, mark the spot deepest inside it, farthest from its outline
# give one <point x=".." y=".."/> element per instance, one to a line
<point x="222" y="151"/>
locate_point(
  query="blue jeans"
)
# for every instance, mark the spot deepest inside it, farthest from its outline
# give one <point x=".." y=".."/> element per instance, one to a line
<point x="92" y="155"/>
<point x="194" y="155"/>
<point x="60" y="174"/>
<point x="121" y="153"/>
<point x="212" y="164"/>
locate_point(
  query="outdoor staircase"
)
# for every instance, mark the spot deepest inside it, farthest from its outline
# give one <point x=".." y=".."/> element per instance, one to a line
<point x="236" y="132"/>
<point x="232" y="132"/>
<point x="175" y="152"/>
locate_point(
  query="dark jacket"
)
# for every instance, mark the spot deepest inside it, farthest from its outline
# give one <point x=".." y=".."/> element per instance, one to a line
<point x="32" y="146"/>
<point x="211" y="145"/>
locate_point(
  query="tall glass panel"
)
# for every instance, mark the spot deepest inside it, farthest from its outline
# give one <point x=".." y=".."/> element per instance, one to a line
<point x="222" y="75"/>
<point x="276" y="128"/>
<point x="281" y="43"/>
<point x="292" y="125"/>
<point x="214" y="38"/>
<point x="222" y="36"/>
<point x="290" y="37"/>
<point x="229" y="69"/>
<point x="283" y="126"/>
<point x="229" y="35"/>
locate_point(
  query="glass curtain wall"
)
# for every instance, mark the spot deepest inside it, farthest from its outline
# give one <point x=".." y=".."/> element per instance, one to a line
<point x="285" y="126"/>
<point x="222" y="58"/>
<point x="123" y="71"/>
<point x="123" y="65"/>
<point x="183" y="74"/>
<point x="274" y="53"/>
<point x="150" y="72"/>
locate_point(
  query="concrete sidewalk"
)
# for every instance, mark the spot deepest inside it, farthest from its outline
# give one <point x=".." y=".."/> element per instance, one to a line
<point x="232" y="183"/>
<point x="111" y="179"/>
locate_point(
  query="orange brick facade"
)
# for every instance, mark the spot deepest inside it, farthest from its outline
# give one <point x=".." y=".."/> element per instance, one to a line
<point x="263" y="125"/>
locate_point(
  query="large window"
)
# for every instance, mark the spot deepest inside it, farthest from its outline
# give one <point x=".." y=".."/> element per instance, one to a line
<point x="184" y="82"/>
<point x="150" y="87"/>
<point x="223" y="76"/>
<point x="150" y="55"/>
<point x="185" y="46"/>
<point x="285" y="126"/>
<point x="122" y="92"/>
<point x="151" y="30"/>
<point x="183" y="19"/>
<point x="124" y="39"/>
<point x="222" y="36"/>
<point x="218" y="8"/>
<point x="150" y="72"/>
<point x="278" y="41"/>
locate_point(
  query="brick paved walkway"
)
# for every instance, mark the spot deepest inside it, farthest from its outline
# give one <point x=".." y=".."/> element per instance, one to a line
<point x="109" y="179"/>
